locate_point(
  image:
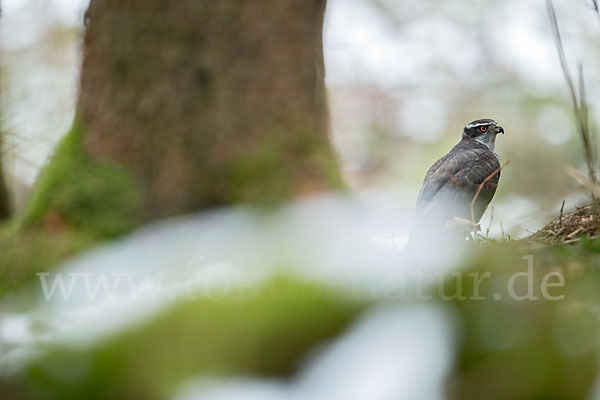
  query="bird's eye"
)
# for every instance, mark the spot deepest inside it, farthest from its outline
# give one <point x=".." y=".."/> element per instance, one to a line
<point x="483" y="128"/>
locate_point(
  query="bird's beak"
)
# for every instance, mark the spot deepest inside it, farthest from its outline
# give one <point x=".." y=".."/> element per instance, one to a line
<point x="499" y="129"/>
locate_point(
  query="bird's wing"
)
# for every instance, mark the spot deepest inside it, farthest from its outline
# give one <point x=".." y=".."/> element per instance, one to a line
<point x="451" y="184"/>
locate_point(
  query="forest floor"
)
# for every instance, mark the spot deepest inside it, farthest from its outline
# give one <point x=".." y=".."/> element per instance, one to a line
<point x="569" y="227"/>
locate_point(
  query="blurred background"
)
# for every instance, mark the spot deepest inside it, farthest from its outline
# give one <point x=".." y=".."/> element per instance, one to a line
<point x="403" y="79"/>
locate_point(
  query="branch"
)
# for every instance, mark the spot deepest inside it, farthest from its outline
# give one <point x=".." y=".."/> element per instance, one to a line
<point x="595" y="5"/>
<point x="486" y="180"/>
<point x="580" y="108"/>
<point x="585" y="181"/>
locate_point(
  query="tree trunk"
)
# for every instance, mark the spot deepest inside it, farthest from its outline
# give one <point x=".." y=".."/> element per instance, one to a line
<point x="4" y="197"/>
<point x="208" y="102"/>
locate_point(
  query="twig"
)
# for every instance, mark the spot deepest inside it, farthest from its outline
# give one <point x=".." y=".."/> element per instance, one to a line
<point x="584" y="180"/>
<point x="453" y="179"/>
<point x="595" y="6"/>
<point x="562" y="207"/>
<point x="575" y="232"/>
<point x="502" y="229"/>
<point x="561" y="52"/>
<point x="590" y="154"/>
<point x="580" y="108"/>
<point x="486" y="180"/>
<point x="487" y="231"/>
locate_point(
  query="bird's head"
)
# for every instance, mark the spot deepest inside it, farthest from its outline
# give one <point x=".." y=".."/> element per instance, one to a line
<point x="484" y="131"/>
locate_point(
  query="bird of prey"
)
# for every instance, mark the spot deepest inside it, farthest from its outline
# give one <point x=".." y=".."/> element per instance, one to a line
<point x="471" y="170"/>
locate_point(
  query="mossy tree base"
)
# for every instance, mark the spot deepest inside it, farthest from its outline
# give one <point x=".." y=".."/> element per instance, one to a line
<point x="76" y="192"/>
<point x="76" y="202"/>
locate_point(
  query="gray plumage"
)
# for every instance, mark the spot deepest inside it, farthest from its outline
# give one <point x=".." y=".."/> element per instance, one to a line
<point x="453" y="181"/>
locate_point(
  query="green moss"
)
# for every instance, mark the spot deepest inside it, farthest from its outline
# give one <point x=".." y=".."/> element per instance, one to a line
<point x="262" y="165"/>
<point x="513" y="348"/>
<point x="96" y="197"/>
<point x="32" y="251"/>
<point x="265" y="330"/>
<point x="76" y="202"/>
<point x="276" y="170"/>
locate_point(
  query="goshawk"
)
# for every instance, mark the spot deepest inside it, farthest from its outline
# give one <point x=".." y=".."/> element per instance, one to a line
<point x="471" y="170"/>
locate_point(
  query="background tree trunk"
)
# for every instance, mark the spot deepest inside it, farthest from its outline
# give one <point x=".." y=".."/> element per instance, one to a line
<point x="183" y="105"/>
<point x="5" y="210"/>
<point x="208" y="102"/>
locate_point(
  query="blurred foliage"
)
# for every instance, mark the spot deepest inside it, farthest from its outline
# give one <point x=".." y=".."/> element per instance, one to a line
<point x="540" y="348"/>
<point x="507" y="349"/>
<point x="265" y="330"/>
<point x="32" y="251"/>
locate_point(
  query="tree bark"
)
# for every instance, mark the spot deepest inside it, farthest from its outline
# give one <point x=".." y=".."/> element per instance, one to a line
<point x="208" y="102"/>
<point x="5" y="210"/>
